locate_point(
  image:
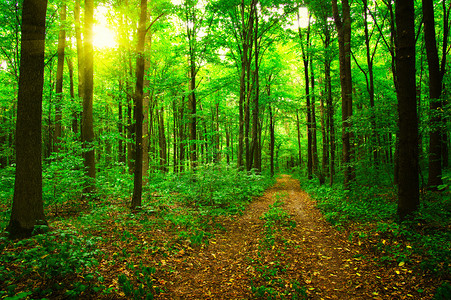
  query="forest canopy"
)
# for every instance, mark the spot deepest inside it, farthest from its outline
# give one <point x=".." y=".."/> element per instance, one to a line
<point x="131" y="100"/>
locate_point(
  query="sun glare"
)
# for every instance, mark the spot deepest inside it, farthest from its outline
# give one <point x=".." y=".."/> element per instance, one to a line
<point x="103" y="36"/>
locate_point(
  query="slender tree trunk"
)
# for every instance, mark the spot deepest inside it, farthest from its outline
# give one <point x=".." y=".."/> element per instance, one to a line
<point x="120" y="124"/>
<point x="182" y="136"/>
<point x="305" y="58"/>
<point x="139" y="91"/>
<point x="369" y="60"/>
<point x="59" y="78"/>
<point x="80" y="56"/>
<point x="316" y="167"/>
<point x="298" y="129"/>
<point x="87" y="133"/>
<point x="70" y="68"/>
<point x="27" y="207"/>
<point x="256" y="151"/>
<point x="146" y="118"/>
<point x="343" y="25"/>
<point x="435" y="91"/>
<point x="272" y="139"/>
<point x="408" y="187"/>
<point x="162" y="141"/>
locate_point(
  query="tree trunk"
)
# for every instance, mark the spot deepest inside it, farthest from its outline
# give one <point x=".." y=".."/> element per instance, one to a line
<point x="162" y="140"/>
<point x="87" y="133"/>
<point x="271" y="137"/>
<point x="369" y="60"/>
<point x="343" y="26"/>
<point x="80" y="55"/>
<point x="59" y="78"/>
<point x="298" y="129"/>
<point x="70" y="68"/>
<point x="139" y="91"/>
<point x="27" y="207"/>
<point x="256" y="151"/>
<point x="145" y="126"/>
<point x="408" y="187"/>
<point x="435" y="91"/>
<point x="305" y="58"/>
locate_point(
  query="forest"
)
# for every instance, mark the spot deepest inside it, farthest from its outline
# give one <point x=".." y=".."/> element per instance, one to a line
<point x="225" y="149"/>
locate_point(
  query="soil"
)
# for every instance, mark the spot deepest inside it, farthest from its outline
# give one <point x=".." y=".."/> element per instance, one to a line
<point x="239" y="263"/>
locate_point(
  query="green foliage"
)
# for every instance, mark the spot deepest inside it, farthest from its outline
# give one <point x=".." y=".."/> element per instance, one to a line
<point x="63" y="176"/>
<point x="426" y="234"/>
<point x="274" y="287"/>
<point x="275" y="219"/>
<point x="143" y="287"/>
<point x="361" y="203"/>
<point x="220" y="187"/>
<point x="443" y="292"/>
<point x="61" y="261"/>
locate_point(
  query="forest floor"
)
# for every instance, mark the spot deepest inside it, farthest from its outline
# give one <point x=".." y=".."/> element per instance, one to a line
<point x="258" y="256"/>
<point x="279" y="247"/>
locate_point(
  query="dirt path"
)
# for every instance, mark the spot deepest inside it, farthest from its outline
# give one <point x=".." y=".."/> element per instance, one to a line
<point x="313" y="254"/>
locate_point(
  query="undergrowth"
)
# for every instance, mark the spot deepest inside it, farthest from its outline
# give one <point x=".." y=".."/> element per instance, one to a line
<point x="65" y="263"/>
<point x="424" y="238"/>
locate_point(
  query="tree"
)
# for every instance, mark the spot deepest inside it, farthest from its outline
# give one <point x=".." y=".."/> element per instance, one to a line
<point x="59" y="76"/>
<point x="139" y="91"/>
<point x="87" y="131"/>
<point x="408" y="187"/>
<point x="27" y="208"/>
<point x="435" y="90"/>
<point x="343" y="25"/>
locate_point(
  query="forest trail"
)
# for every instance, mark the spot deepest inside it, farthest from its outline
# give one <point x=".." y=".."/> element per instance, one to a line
<point x="313" y="255"/>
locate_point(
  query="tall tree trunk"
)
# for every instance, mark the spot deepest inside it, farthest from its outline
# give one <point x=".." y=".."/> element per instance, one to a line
<point x="408" y="187"/>
<point x="162" y="141"/>
<point x="70" y="68"/>
<point x="182" y="136"/>
<point x="138" y="100"/>
<point x="256" y="151"/>
<point x="435" y="91"/>
<point x="27" y="207"/>
<point x="271" y="137"/>
<point x="87" y="133"/>
<point x="192" y="105"/>
<point x="80" y="55"/>
<point x="120" y="124"/>
<point x="316" y="167"/>
<point x="146" y="116"/>
<point x="369" y="60"/>
<point x="298" y="129"/>
<point x="305" y="59"/>
<point x="59" y="78"/>
<point x="343" y="25"/>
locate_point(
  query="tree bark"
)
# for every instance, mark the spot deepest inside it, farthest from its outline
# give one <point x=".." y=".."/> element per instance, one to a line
<point x="87" y="133"/>
<point x="27" y="208"/>
<point x="343" y="25"/>
<point x="435" y="91"/>
<point x="59" y="78"/>
<point x="138" y="99"/>
<point x="80" y="55"/>
<point x="408" y="187"/>
<point x="305" y="58"/>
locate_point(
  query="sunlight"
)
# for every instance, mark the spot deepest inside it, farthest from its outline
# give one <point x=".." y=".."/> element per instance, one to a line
<point x="303" y="17"/>
<point x="103" y="35"/>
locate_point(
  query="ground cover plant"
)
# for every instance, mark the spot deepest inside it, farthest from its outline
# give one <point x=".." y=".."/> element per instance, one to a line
<point x="68" y="259"/>
<point x="368" y="215"/>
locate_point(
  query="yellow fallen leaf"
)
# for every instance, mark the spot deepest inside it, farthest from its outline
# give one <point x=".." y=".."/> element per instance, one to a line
<point x="401" y="264"/>
<point x="213" y="255"/>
